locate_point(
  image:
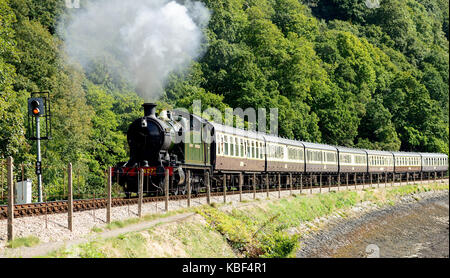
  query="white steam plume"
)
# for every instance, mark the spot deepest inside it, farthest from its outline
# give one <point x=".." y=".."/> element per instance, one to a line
<point x="146" y="39"/>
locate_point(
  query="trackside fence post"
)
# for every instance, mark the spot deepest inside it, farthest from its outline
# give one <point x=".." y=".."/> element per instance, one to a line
<point x="346" y="179"/>
<point x="339" y="181"/>
<point x="241" y="181"/>
<point x="141" y="193"/>
<point x="290" y="183"/>
<point x="109" y="197"/>
<point x="224" y="188"/>
<point x="267" y="185"/>
<point x="188" y="181"/>
<point x="301" y="183"/>
<point x="208" y="188"/>
<point x="320" y="183"/>
<point x="166" y="188"/>
<point x="10" y="176"/>
<point x="329" y="183"/>
<point x="69" y="197"/>
<point x="254" y="186"/>
<point x="279" y="185"/>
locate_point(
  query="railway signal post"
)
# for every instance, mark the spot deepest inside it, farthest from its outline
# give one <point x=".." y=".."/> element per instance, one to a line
<point x="39" y="107"/>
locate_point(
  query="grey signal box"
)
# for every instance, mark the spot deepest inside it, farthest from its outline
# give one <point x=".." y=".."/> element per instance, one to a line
<point x="36" y="107"/>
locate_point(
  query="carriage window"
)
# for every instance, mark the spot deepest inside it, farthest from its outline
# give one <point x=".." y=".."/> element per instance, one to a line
<point x="247" y="148"/>
<point x="345" y="158"/>
<point x="358" y="159"/>
<point x="226" y="145"/>
<point x="261" y="150"/>
<point x="332" y="158"/>
<point x="253" y="149"/>
<point x="231" y="146"/>
<point x="221" y="144"/>
<point x="241" y="149"/>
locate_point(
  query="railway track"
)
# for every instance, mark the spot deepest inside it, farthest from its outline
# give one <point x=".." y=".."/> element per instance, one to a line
<point x="53" y="207"/>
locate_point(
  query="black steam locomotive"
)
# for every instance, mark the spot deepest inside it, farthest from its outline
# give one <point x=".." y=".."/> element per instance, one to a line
<point x="166" y="142"/>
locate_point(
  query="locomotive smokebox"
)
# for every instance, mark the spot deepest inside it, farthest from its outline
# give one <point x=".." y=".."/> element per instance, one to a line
<point x="149" y="109"/>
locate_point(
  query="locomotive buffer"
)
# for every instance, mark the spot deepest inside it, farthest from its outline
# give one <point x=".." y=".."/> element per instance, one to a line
<point x="39" y="107"/>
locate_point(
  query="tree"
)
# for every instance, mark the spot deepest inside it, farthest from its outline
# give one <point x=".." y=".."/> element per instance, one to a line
<point x="12" y="140"/>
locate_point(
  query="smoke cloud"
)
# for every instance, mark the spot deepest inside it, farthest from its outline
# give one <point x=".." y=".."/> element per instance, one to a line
<point x="145" y="40"/>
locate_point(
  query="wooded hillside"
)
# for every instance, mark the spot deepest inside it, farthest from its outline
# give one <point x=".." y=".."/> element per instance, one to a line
<point x="339" y="73"/>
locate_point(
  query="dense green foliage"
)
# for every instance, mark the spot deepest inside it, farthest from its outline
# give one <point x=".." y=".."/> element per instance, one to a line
<point x="339" y="73"/>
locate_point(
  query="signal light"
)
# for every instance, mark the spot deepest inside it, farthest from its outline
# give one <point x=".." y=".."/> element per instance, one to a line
<point x="36" y="107"/>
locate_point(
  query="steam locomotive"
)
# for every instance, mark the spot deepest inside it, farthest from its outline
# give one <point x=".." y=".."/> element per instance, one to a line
<point x="172" y="141"/>
<point x="186" y="144"/>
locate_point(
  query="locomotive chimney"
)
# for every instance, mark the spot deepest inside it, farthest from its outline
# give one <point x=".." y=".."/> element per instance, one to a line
<point x="149" y="109"/>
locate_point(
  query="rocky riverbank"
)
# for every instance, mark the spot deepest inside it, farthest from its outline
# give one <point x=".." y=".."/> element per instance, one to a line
<point x="416" y="225"/>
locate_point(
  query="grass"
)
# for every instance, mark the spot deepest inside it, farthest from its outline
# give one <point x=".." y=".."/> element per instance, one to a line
<point x="185" y="239"/>
<point x="23" y="241"/>
<point x="149" y="217"/>
<point x="97" y="230"/>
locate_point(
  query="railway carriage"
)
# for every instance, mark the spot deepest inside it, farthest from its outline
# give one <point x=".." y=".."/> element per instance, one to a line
<point x="379" y="161"/>
<point x="320" y="158"/>
<point x="352" y="160"/>
<point x="284" y="155"/>
<point x="434" y="162"/>
<point x="406" y="162"/>
<point x="238" y="150"/>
